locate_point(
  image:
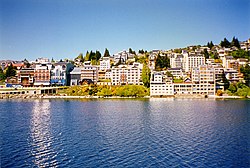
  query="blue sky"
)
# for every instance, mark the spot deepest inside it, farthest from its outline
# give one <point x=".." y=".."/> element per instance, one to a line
<point x="64" y="28"/>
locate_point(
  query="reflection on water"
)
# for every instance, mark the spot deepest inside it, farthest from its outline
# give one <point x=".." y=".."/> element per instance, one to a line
<point x="41" y="134"/>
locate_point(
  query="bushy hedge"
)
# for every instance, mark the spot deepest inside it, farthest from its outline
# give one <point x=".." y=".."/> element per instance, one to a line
<point x="107" y="91"/>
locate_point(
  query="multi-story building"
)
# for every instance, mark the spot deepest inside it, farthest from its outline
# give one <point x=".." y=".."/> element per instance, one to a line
<point x="89" y="73"/>
<point x="227" y="61"/>
<point x="105" y="63"/>
<point x="75" y="76"/>
<point x="127" y="74"/>
<point x="203" y="79"/>
<point x="176" y="72"/>
<point x="121" y="57"/>
<point x="26" y="76"/>
<point x="176" y="60"/>
<point x="232" y="75"/>
<point x="151" y="62"/>
<point x="42" y="74"/>
<point x="185" y="88"/>
<point x="161" y="85"/>
<point x="60" y="73"/>
<point x="193" y="60"/>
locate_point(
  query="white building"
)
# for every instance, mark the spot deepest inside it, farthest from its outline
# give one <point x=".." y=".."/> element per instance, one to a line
<point x="127" y="74"/>
<point x="193" y="60"/>
<point x="89" y="73"/>
<point x="121" y="56"/>
<point x="203" y="79"/>
<point x="161" y="85"/>
<point x="227" y="60"/>
<point x="75" y="76"/>
<point x="105" y="63"/>
<point x="176" y="72"/>
<point x="42" y="74"/>
<point x="60" y="73"/>
<point x="231" y="74"/>
<point x="176" y="60"/>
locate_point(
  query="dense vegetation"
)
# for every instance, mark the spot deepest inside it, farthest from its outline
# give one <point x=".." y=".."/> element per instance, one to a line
<point x="8" y="72"/>
<point x="238" y="89"/>
<point x="107" y="91"/>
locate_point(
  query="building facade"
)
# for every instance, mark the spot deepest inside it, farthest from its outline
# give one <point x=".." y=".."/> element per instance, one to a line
<point x="89" y="73"/>
<point x="26" y="76"/>
<point x="42" y="74"/>
<point x="127" y="74"/>
<point x="161" y="85"/>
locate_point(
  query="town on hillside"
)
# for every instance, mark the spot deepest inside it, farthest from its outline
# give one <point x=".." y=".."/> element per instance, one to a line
<point x="195" y="70"/>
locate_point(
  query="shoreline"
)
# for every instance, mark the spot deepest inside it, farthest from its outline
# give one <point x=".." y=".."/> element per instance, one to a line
<point x="36" y="96"/>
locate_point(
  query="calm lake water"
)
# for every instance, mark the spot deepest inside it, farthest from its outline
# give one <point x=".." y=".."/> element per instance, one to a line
<point x="125" y="133"/>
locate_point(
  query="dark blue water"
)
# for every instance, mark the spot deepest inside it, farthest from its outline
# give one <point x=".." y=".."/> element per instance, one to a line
<point x="125" y="133"/>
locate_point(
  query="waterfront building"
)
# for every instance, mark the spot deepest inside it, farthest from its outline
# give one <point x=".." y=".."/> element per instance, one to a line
<point x="161" y="85"/>
<point x="184" y="88"/>
<point x="127" y="74"/>
<point x="60" y="73"/>
<point x="75" y="76"/>
<point x="89" y="73"/>
<point x="203" y="79"/>
<point x="42" y="74"/>
<point x="26" y="76"/>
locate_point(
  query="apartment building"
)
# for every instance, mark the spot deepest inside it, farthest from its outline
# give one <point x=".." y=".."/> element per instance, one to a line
<point x="203" y="79"/>
<point x="176" y="72"/>
<point x="185" y="88"/>
<point x="176" y="60"/>
<point x="193" y="60"/>
<point x="105" y="63"/>
<point x="127" y="74"/>
<point x="89" y="73"/>
<point x="161" y="85"/>
<point x="42" y="74"/>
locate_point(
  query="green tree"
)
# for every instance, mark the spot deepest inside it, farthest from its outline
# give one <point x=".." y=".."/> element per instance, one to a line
<point x="2" y="75"/>
<point x="10" y="71"/>
<point x="52" y="60"/>
<point x="246" y="72"/>
<point x="105" y="92"/>
<point x="206" y="54"/>
<point x="106" y="53"/>
<point x="162" y="62"/>
<point x="80" y="57"/>
<point x="241" y="54"/>
<point x="146" y="74"/>
<point x="131" y="51"/>
<point x="225" y="43"/>
<point x="141" y="51"/>
<point x="210" y="45"/>
<point x="98" y="55"/>
<point x="235" y="42"/>
<point x="232" y="88"/>
<point x="87" y="56"/>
